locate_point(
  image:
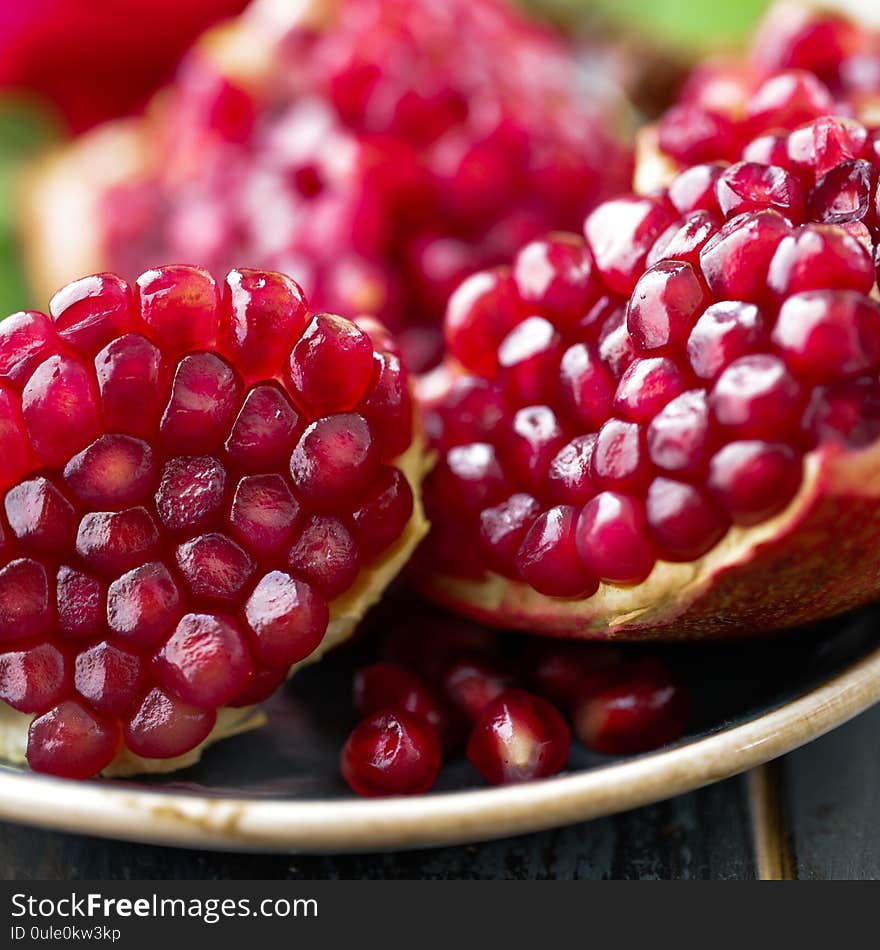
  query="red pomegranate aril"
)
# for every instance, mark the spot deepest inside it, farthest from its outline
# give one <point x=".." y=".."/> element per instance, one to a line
<point x="387" y="407"/>
<point x="569" y="481"/>
<point x="214" y="567"/>
<point x="262" y="685"/>
<point x="616" y="347"/>
<point x="470" y="680"/>
<point x="749" y="186"/>
<point x="263" y="314"/>
<point x="132" y="382"/>
<point x="817" y="257"/>
<point x="41" y="518"/>
<point x="25" y="604"/>
<point x="179" y="306"/>
<point x="205" y="397"/>
<point x="769" y="149"/>
<point x="789" y="100"/>
<point x="735" y="262"/>
<point x="824" y="144"/>
<point x="502" y="529"/>
<point x="518" y="737"/>
<point x="391" y="753"/>
<point x="754" y="480"/>
<point x="27" y="338"/>
<point x="91" y="311"/>
<point x="612" y="539"/>
<point x="265" y="430"/>
<point x="264" y="513"/>
<point x="18" y="455"/>
<point x="586" y="386"/>
<point x="683" y="242"/>
<point x="533" y="439"/>
<point x="528" y="360"/>
<point x="334" y="462"/>
<point x="725" y="331"/>
<point x="620" y="234"/>
<point x="644" y="709"/>
<point x="684" y="525"/>
<point x="205" y="661"/>
<point x="143" y="605"/>
<point x="692" y="134"/>
<point x="829" y="335"/>
<point x="72" y="742"/>
<point x="560" y="670"/>
<point x="472" y="411"/>
<point x="646" y="387"/>
<point x="382" y="686"/>
<point x="845" y="414"/>
<point x="80" y="603"/>
<point x="191" y="493"/>
<point x="113" y="542"/>
<point x="756" y="397"/>
<point x="286" y="620"/>
<point x="115" y="471"/>
<point x="677" y="438"/>
<point x="163" y="726"/>
<point x="108" y="677"/>
<point x="332" y="365"/>
<point x="620" y="458"/>
<point x="548" y="559"/>
<point x="694" y="189"/>
<point x="383" y="514"/>
<point x="325" y="554"/>
<point x="845" y="194"/>
<point x="664" y="307"/>
<point x="35" y="679"/>
<point x="555" y="276"/>
<point x="60" y="409"/>
<point x="480" y="314"/>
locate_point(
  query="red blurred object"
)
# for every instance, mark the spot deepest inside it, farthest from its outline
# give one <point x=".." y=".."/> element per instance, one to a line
<point x="99" y="59"/>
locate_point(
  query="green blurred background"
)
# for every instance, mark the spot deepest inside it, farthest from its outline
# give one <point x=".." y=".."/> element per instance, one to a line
<point x="654" y="28"/>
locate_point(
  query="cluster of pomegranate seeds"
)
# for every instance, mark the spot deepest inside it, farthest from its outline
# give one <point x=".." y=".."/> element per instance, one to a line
<point x="803" y="64"/>
<point x="382" y="158"/>
<point x="448" y="679"/>
<point x="625" y="397"/>
<point x="192" y="472"/>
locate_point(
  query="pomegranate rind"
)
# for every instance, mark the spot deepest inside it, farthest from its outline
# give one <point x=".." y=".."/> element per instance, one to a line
<point x="346" y="612"/>
<point x="816" y="559"/>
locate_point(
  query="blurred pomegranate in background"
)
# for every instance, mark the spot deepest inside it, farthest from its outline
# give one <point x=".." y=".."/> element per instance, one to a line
<point x="99" y="59"/>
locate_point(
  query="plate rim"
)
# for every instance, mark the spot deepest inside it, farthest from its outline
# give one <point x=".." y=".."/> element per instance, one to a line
<point x="190" y="820"/>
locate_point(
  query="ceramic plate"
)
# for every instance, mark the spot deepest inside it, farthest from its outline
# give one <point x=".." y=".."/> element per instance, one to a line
<point x="278" y="789"/>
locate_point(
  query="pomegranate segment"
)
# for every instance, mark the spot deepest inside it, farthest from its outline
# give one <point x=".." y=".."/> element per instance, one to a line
<point x="178" y="526"/>
<point x="730" y="378"/>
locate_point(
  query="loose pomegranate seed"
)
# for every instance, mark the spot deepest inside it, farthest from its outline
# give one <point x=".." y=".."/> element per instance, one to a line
<point x="518" y="737"/>
<point x="470" y="680"/>
<point x="391" y="753"/>
<point x="148" y="521"/>
<point x="382" y="686"/>
<point x="645" y="708"/>
<point x="559" y="671"/>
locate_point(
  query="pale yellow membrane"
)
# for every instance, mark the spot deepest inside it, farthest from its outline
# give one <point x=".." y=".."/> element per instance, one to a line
<point x="346" y="612"/>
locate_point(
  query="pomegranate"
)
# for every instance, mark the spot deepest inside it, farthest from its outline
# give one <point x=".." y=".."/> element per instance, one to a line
<point x="379" y="150"/>
<point x="694" y="410"/>
<point x="169" y="449"/>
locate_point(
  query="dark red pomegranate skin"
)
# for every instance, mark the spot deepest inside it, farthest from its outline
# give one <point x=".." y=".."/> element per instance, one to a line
<point x="694" y="410"/>
<point x="167" y="449"/>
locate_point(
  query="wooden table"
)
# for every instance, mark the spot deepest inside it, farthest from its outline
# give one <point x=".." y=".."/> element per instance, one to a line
<point x="812" y="815"/>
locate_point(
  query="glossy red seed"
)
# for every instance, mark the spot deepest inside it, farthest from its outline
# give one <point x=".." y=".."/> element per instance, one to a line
<point x="556" y="277"/>
<point x="334" y="462"/>
<point x="616" y="347"/>
<point x="331" y="366"/>
<point x="846" y="414"/>
<point x="756" y="398"/>
<point x="586" y="387"/>
<point x="664" y="307"/>
<point x="677" y="438"/>
<point x="391" y="753"/>
<point x="35" y="679"/>
<point x="72" y="742"/>
<point x="262" y="315"/>
<point x="191" y="493"/>
<point x="692" y="134"/>
<point x="115" y="471"/>
<point x="112" y="542"/>
<point x="325" y="554"/>
<point x="827" y="335"/>
<point x="42" y="519"/>
<point x="18" y="456"/>
<point x="788" y="100"/>
<point x="725" y="331"/>
<point x="108" y="677"/>
<point x="533" y="439"/>
<point x="620" y="458"/>
<point x="163" y="726"/>
<point x="502" y="529"/>
<point x="548" y="559"/>
<point x="646" y="387"/>
<point x="264" y="513"/>
<point x="694" y="189"/>
<point x="80" y="602"/>
<point x="286" y="620"/>
<point x="684" y="524"/>
<point x="518" y="737"/>
<point x="683" y="242"/>
<point x="265" y="430"/>
<point x="384" y="513"/>
<point x="132" y="381"/>
<point x="387" y="407"/>
<point x="754" y="480"/>
<point x="817" y="257"/>
<point x="612" y="539"/>
<point x="528" y="360"/>
<point x="470" y="679"/>
<point x="179" y="306"/>
<point x="559" y="671"/>
<point x="143" y="605"/>
<point x="749" y="186"/>
<point x="844" y="194"/>
<point x="569" y="480"/>
<point x="90" y="312"/>
<point x="646" y="708"/>
<point x="27" y="338"/>
<point x="214" y="567"/>
<point x="472" y="411"/>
